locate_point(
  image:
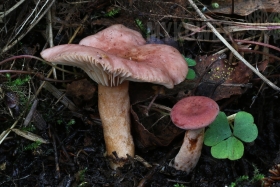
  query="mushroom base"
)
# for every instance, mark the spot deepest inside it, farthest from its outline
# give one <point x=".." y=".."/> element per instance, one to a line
<point x="114" y="110"/>
<point x="190" y="151"/>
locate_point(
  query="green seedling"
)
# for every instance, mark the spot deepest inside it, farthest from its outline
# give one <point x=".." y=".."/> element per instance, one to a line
<point x="245" y="178"/>
<point x="71" y="122"/>
<point x="215" y="5"/>
<point x="276" y="19"/>
<point x="140" y="25"/>
<point x="112" y="12"/>
<point x="178" y="185"/>
<point x="67" y="124"/>
<point x="225" y="135"/>
<point x="191" y="72"/>
<point x="80" y="176"/>
<point x="29" y="128"/>
<point x="18" y="86"/>
<point x="239" y="180"/>
<point x="19" y="81"/>
<point x="8" y="76"/>
<point x="32" y="146"/>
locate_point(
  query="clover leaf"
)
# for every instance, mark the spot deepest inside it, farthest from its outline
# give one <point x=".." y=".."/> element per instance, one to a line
<point x="191" y="72"/>
<point x="244" y="127"/>
<point x="218" y="131"/>
<point x="226" y="142"/>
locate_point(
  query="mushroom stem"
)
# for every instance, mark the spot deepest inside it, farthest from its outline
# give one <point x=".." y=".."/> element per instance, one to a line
<point x="114" y="110"/>
<point x="190" y="151"/>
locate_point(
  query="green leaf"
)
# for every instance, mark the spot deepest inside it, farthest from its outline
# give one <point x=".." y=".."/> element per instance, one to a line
<point x="235" y="148"/>
<point x="231" y="148"/>
<point x="190" y="61"/>
<point x="191" y="74"/>
<point x="220" y="150"/>
<point x="244" y="127"/>
<point x="215" y="5"/>
<point x="218" y="131"/>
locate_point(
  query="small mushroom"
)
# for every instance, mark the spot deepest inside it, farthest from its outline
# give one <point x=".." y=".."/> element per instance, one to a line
<point x="112" y="58"/>
<point x="192" y="114"/>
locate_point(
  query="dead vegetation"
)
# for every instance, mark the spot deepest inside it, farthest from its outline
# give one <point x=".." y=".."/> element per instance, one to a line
<point x="51" y="133"/>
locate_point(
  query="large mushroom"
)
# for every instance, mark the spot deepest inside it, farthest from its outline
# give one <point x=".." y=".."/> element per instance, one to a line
<point x="192" y="114"/>
<point x="116" y="39"/>
<point x="112" y="58"/>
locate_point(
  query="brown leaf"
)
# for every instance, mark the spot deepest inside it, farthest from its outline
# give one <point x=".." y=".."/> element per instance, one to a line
<point x="39" y="121"/>
<point x="221" y="78"/>
<point x="82" y="92"/>
<point x="139" y="92"/>
<point x="11" y="99"/>
<point x="159" y="134"/>
<point x="263" y="65"/>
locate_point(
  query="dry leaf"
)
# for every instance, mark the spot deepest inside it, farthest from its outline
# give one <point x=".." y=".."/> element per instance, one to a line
<point x="159" y="134"/>
<point x="222" y="80"/>
<point x="29" y="136"/>
<point x="82" y="92"/>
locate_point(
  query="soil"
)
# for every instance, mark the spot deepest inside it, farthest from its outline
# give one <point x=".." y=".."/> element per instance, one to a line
<point x="74" y="154"/>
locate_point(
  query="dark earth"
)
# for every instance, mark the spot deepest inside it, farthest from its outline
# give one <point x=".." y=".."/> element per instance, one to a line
<point x="74" y="154"/>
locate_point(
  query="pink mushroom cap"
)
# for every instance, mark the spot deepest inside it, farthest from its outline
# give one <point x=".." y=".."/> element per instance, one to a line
<point x="194" y="112"/>
<point x="158" y="64"/>
<point x="116" y="39"/>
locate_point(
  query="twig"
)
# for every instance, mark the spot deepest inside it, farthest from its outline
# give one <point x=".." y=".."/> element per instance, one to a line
<point x="69" y="161"/>
<point x="59" y="95"/>
<point x="156" y="168"/>
<point x="5" y="13"/>
<point x="37" y="58"/>
<point x="78" y="29"/>
<point x="232" y="49"/>
<point x="50" y="37"/>
<point x="38" y="75"/>
<point x="258" y="43"/>
<point x="143" y="161"/>
<point x="259" y="52"/>
<point x="40" y="11"/>
<point x="9" y="46"/>
<point x="29" y="116"/>
<point x="57" y="170"/>
<point x="26" y="20"/>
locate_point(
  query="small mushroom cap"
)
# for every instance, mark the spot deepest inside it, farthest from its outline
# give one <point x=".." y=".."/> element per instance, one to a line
<point x="116" y="39"/>
<point x="194" y="112"/>
<point x="159" y="64"/>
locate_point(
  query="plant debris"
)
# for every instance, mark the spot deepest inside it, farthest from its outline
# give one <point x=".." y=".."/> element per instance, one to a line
<point x="50" y="129"/>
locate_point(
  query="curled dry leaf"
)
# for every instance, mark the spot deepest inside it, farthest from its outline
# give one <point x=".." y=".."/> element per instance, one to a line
<point x="12" y="102"/>
<point x="263" y="65"/>
<point x="29" y="136"/>
<point x="39" y="121"/>
<point x="11" y="99"/>
<point x="81" y="91"/>
<point x="222" y="79"/>
<point x="140" y="92"/>
<point x="160" y="133"/>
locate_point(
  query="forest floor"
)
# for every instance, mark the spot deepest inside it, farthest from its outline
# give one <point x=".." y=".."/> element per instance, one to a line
<point x="64" y="112"/>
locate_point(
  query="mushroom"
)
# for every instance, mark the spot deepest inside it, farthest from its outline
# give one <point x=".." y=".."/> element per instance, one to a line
<point x="122" y="57"/>
<point x="192" y="114"/>
<point x="116" y="39"/>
